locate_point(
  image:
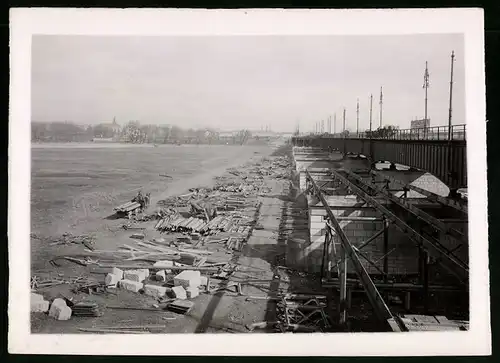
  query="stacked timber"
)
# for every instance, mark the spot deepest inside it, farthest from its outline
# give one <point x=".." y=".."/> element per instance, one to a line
<point x="127" y="207"/>
<point x="178" y="223"/>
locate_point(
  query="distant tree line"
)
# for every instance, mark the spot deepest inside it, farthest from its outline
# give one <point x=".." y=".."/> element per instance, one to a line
<point x="132" y="132"/>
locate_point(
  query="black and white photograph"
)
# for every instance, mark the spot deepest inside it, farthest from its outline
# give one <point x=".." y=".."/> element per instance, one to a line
<point x="209" y="181"/>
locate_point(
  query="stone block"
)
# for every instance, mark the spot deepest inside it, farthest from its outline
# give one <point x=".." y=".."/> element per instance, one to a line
<point x="38" y="304"/>
<point x="155" y="291"/>
<point x="131" y="285"/>
<point x="192" y="292"/>
<point x="161" y="275"/>
<point x="136" y="275"/>
<point x="179" y="292"/>
<point x="59" y="310"/>
<point x="36" y="297"/>
<point x="188" y="278"/>
<point x="111" y="280"/>
<point x="116" y="271"/>
<point x="203" y="281"/>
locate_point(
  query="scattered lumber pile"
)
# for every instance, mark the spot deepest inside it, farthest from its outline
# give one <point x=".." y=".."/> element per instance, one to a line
<point x="196" y="257"/>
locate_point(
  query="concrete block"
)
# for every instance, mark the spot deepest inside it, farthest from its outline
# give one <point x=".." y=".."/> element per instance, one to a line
<point x="36" y="297"/>
<point x="38" y="304"/>
<point x="160" y="275"/>
<point x="192" y="292"/>
<point x="59" y="310"/>
<point x="154" y="290"/>
<point x="130" y="285"/>
<point x="136" y="275"/>
<point x="111" y="280"/>
<point x="179" y="292"/>
<point x="188" y="278"/>
<point x="116" y="271"/>
<point x="203" y="280"/>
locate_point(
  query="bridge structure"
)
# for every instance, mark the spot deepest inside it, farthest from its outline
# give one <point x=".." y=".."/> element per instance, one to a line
<point x="392" y="234"/>
<point x="440" y="150"/>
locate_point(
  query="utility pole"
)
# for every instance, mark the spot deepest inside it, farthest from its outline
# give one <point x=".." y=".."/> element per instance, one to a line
<point x="345" y="149"/>
<point x="357" y="118"/>
<point x="322" y="126"/>
<point x="344" y="121"/>
<point x="334" y="123"/>
<point x="426" y="86"/>
<point x="451" y="96"/>
<point x="371" y="108"/>
<point x="381" y="103"/>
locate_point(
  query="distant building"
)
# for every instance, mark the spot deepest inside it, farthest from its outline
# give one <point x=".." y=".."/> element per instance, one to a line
<point x="113" y="127"/>
<point x="420" y="124"/>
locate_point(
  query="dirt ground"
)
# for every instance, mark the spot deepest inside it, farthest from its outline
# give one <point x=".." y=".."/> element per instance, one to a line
<point x="222" y="312"/>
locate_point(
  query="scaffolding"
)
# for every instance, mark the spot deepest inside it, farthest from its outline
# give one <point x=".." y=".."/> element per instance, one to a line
<point x="335" y="260"/>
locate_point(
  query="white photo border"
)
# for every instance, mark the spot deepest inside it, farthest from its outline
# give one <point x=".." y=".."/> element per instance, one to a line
<point x="25" y="22"/>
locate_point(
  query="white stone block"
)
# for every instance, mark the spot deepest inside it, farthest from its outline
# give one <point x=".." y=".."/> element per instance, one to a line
<point x="111" y="280"/>
<point x="59" y="310"/>
<point x="161" y="275"/>
<point x="155" y="291"/>
<point x="179" y="292"/>
<point x="116" y="271"/>
<point x="131" y="285"/>
<point x="188" y="278"/>
<point x="136" y="275"/>
<point x="203" y="281"/>
<point x="192" y="292"/>
<point x="36" y="297"/>
<point x="39" y="305"/>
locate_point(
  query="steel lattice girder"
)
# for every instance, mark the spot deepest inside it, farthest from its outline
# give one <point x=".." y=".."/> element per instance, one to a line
<point x="434" y="222"/>
<point x="457" y="204"/>
<point x="417" y="213"/>
<point x="401" y="225"/>
<point x="381" y="309"/>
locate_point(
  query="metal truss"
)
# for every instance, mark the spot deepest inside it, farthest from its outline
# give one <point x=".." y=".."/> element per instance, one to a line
<point x="418" y="213"/>
<point x="347" y="251"/>
<point x="422" y="242"/>
<point x="450" y="202"/>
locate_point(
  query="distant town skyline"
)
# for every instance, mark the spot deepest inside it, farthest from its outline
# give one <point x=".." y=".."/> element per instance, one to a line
<point x="235" y="82"/>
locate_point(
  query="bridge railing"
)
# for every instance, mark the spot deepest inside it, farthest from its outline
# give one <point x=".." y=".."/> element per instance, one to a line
<point x="457" y="132"/>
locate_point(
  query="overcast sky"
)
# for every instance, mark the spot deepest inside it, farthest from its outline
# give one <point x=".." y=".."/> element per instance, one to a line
<point x="231" y="82"/>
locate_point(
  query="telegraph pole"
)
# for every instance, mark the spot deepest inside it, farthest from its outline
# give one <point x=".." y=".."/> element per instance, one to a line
<point x="344" y="121"/>
<point x="451" y="95"/>
<point x="371" y="108"/>
<point x="345" y="149"/>
<point x="357" y="118"/>
<point x="381" y="103"/>
<point x="426" y="86"/>
<point x="322" y="126"/>
<point x="334" y="123"/>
